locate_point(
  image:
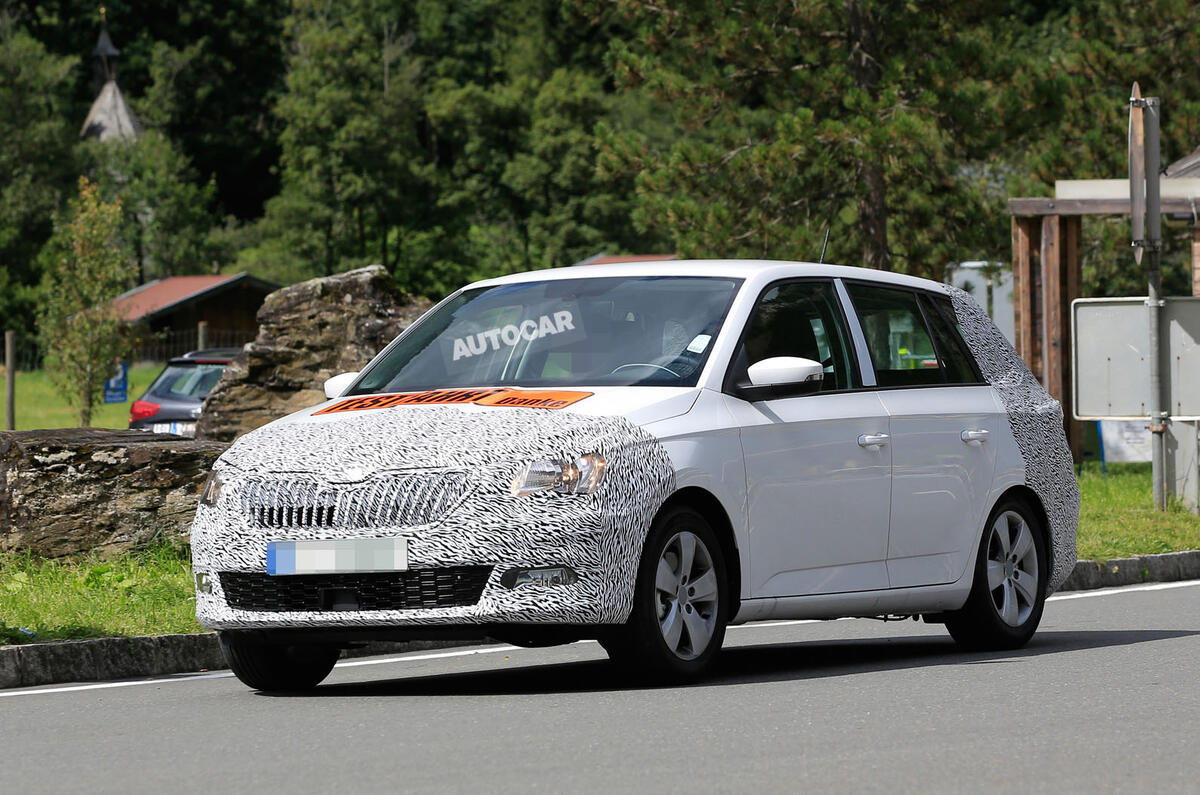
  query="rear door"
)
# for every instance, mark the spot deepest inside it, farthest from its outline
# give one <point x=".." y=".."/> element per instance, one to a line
<point x="943" y="422"/>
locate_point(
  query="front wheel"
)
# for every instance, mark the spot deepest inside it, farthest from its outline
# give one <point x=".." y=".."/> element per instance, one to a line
<point x="680" y="603"/>
<point x="264" y="665"/>
<point x="1009" y="590"/>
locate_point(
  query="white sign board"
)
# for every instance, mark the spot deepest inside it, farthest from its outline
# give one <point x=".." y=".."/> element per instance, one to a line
<point x="1109" y="367"/>
<point x="1125" y="441"/>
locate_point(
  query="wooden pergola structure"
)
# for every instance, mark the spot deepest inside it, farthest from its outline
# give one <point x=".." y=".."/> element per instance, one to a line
<point x="1047" y="274"/>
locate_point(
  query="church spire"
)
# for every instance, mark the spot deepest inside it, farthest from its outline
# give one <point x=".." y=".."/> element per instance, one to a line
<point x="105" y="53"/>
<point x="110" y="116"/>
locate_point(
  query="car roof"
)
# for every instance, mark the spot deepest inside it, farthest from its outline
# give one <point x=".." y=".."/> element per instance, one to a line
<point x="758" y="271"/>
<point x="207" y="356"/>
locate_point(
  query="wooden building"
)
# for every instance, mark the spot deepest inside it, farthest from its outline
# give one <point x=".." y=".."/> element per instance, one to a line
<point x="173" y="308"/>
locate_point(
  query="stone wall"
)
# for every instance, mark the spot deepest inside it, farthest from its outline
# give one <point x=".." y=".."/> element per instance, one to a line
<point x="73" y="490"/>
<point x="308" y="332"/>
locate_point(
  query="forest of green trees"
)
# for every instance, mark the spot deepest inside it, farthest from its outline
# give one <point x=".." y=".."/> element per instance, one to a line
<point x="454" y="139"/>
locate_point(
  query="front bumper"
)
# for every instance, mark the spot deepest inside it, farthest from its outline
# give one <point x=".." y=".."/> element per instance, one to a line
<point x="599" y="536"/>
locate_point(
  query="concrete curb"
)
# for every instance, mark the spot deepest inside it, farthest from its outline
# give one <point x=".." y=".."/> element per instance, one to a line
<point x="53" y="662"/>
<point x="1168" y="567"/>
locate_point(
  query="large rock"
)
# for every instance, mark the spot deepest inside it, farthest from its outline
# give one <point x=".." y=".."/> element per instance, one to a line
<point x="74" y="490"/>
<point x="307" y="333"/>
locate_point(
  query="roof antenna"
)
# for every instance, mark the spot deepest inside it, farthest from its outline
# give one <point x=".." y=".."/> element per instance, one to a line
<point x="824" y="246"/>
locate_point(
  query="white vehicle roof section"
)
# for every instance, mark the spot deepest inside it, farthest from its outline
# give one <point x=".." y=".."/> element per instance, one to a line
<point x="753" y="271"/>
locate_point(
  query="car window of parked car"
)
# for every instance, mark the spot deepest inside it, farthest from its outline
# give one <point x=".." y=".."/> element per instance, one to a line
<point x="801" y="319"/>
<point x="951" y="350"/>
<point x="901" y="347"/>
<point x="186" y="381"/>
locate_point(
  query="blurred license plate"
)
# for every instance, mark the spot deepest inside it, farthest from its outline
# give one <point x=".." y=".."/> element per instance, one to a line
<point x="177" y="428"/>
<point x="338" y="556"/>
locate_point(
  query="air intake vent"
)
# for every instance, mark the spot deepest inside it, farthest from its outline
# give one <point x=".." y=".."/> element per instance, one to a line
<point x="452" y="586"/>
<point x="386" y="501"/>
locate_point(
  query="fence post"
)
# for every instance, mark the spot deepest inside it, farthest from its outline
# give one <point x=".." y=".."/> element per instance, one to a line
<point x="202" y="335"/>
<point x="10" y="380"/>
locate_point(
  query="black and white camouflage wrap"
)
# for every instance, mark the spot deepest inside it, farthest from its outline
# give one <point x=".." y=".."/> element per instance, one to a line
<point x="600" y="535"/>
<point x="1036" y="420"/>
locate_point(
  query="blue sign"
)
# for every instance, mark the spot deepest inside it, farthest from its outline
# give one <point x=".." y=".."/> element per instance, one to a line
<point x="116" y="389"/>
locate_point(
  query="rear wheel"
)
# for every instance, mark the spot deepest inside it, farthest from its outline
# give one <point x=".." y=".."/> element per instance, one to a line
<point x="1009" y="591"/>
<point x="264" y="665"/>
<point x="681" y="603"/>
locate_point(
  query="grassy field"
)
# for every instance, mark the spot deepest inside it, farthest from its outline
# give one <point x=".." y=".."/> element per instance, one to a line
<point x="144" y="593"/>
<point x="39" y="405"/>
<point x="1117" y="517"/>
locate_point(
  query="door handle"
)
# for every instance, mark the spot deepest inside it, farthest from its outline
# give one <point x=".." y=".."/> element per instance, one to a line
<point x="974" y="436"/>
<point x="873" y="439"/>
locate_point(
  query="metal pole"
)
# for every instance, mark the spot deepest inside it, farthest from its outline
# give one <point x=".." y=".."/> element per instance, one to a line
<point x="202" y="335"/>
<point x="1154" y="302"/>
<point x="10" y="380"/>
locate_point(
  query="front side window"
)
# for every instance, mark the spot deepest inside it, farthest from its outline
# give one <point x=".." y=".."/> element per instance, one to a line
<point x="800" y="319"/>
<point x="611" y="331"/>
<point x="902" y="350"/>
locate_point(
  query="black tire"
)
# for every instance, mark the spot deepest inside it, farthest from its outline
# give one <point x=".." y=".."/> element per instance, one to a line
<point x="640" y="646"/>
<point x="263" y="665"/>
<point x="1004" y="616"/>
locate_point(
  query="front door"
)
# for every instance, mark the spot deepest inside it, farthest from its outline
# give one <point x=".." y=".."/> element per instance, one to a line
<point x="818" y="467"/>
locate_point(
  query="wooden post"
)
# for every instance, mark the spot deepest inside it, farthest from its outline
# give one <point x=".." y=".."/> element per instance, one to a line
<point x="1073" y="275"/>
<point x="202" y="335"/>
<point x="1052" y="295"/>
<point x="1060" y="279"/>
<point x="10" y="380"/>
<point x="1196" y="260"/>
<point x="1023" y="287"/>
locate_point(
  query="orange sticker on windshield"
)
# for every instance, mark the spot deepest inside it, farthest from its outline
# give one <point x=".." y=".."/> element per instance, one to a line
<point x="490" y="396"/>
<point x="532" y="398"/>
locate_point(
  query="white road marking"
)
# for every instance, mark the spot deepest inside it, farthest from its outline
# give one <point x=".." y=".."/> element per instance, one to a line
<point x="1159" y="586"/>
<point x="107" y="685"/>
<point x="434" y="656"/>
<point x="1154" y="586"/>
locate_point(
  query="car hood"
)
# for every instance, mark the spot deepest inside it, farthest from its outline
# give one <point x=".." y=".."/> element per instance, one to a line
<point x="341" y="444"/>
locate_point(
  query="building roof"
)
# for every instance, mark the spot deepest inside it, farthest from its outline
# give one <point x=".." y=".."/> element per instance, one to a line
<point x="162" y="295"/>
<point x="1185" y="166"/>
<point x="110" y="117"/>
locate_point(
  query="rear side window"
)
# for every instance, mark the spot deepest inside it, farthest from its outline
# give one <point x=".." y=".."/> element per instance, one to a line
<point x="952" y="351"/>
<point x="901" y="347"/>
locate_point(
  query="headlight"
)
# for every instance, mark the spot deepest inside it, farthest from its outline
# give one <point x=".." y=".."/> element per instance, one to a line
<point x="212" y="489"/>
<point x="582" y="476"/>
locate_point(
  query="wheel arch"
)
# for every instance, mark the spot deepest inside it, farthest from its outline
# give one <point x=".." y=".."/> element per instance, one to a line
<point x="706" y="502"/>
<point x="1028" y="496"/>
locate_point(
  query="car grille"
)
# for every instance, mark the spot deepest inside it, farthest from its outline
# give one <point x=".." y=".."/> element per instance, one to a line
<point x="455" y="586"/>
<point x="386" y="501"/>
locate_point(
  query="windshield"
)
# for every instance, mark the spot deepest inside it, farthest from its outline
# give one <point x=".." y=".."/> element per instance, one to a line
<point x="186" y="381"/>
<point x="655" y="331"/>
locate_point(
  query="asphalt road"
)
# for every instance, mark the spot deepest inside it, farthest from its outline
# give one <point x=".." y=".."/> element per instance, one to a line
<point x="1105" y="698"/>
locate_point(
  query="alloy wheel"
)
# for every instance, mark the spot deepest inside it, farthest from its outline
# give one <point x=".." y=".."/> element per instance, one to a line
<point x="687" y="595"/>
<point x="1012" y="568"/>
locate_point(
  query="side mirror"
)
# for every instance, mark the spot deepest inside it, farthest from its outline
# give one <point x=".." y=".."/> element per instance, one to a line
<point x="782" y="376"/>
<point x="334" y="387"/>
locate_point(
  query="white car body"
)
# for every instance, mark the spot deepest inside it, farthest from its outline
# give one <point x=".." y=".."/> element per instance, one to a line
<point x="869" y="501"/>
